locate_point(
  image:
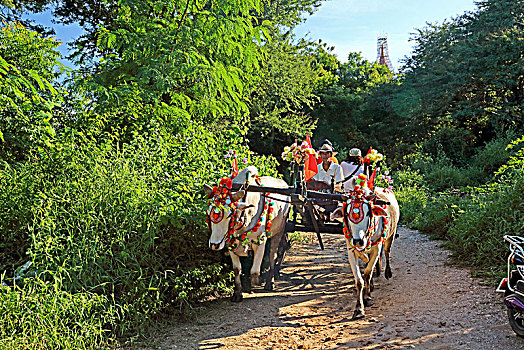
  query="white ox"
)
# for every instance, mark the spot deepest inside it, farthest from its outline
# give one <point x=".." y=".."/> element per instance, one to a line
<point x="250" y="208"/>
<point x="372" y="229"/>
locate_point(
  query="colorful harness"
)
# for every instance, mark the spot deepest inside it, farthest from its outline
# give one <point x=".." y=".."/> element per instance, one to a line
<point x="355" y="214"/>
<point x="222" y="197"/>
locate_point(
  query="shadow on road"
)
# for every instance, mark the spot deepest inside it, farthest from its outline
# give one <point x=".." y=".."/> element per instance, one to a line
<point x="427" y="305"/>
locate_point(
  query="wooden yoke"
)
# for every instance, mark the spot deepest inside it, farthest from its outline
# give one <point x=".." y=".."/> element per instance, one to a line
<point x="300" y="198"/>
<point x="290" y="191"/>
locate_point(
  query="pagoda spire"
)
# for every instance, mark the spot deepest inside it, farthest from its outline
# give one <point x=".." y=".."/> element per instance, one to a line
<point x="382" y="52"/>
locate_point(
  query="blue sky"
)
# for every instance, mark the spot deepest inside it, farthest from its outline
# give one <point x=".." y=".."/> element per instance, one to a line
<point x="65" y="33"/>
<point x="349" y="25"/>
<point x="353" y="25"/>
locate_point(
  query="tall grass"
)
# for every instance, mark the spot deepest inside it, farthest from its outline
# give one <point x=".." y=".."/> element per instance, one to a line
<point x="472" y="220"/>
<point x="412" y="195"/>
<point x="41" y="316"/>
<point x="115" y="234"/>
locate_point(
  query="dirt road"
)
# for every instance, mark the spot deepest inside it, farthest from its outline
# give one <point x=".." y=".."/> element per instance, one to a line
<point x="426" y="305"/>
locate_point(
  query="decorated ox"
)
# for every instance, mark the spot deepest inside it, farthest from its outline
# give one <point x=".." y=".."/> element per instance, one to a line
<point x="370" y="223"/>
<point x="242" y="221"/>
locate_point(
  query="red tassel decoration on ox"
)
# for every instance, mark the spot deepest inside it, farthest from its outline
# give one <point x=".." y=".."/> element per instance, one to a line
<point x="257" y="226"/>
<point x="345" y="229"/>
<point x="371" y="181"/>
<point x="356" y="212"/>
<point x="217" y="214"/>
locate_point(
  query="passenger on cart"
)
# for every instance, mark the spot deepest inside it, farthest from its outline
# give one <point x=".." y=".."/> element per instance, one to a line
<point x="329" y="176"/>
<point x="328" y="179"/>
<point x="352" y="166"/>
<point x="333" y="157"/>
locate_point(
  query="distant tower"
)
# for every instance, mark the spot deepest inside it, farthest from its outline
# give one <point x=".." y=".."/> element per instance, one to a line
<point x="382" y="52"/>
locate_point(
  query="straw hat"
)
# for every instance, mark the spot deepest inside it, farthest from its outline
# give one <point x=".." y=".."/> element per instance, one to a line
<point x="355" y="152"/>
<point x="327" y="148"/>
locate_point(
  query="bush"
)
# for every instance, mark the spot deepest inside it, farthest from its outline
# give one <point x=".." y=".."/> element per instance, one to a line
<point x="445" y="177"/>
<point x="411" y="195"/>
<point x="441" y="173"/>
<point x="476" y="234"/>
<point x="493" y="155"/>
<point x="450" y="143"/>
<point x="439" y="213"/>
<point x="42" y="316"/>
<point x="118" y="227"/>
<point x="473" y="222"/>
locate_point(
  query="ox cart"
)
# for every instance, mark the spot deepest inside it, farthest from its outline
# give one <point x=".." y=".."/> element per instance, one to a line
<point x="370" y="217"/>
<point x="307" y="214"/>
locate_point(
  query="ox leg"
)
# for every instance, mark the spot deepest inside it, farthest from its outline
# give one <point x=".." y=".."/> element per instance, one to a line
<point x="387" y="251"/>
<point x="359" y="282"/>
<point x="280" y="254"/>
<point x="257" y="263"/>
<point x="378" y="266"/>
<point x="368" y="274"/>
<point x="237" y="268"/>
<point x="276" y="242"/>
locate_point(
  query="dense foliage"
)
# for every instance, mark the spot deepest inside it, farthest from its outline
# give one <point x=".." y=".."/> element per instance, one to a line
<point x="473" y="220"/>
<point x="462" y="92"/>
<point x="460" y="89"/>
<point x="28" y="92"/>
<point x="101" y="208"/>
<point x="101" y="175"/>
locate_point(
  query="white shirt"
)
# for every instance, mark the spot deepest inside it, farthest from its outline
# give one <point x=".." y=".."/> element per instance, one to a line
<point x="334" y="171"/>
<point x="348" y="169"/>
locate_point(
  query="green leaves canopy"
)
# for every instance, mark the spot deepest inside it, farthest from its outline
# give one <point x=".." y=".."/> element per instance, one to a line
<point x="28" y="67"/>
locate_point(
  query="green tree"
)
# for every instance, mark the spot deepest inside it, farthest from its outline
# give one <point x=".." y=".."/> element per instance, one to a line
<point x="340" y="117"/>
<point x="14" y="11"/>
<point x="468" y="74"/>
<point x="287" y="91"/>
<point x="167" y="67"/>
<point x="28" y="90"/>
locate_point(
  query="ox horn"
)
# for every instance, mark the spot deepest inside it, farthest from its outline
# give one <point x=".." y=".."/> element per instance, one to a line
<point x="370" y="197"/>
<point x="208" y="189"/>
<point x="237" y="195"/>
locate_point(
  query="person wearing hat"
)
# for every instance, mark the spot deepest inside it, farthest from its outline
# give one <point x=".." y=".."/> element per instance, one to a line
<point x="352" y="166"/>
<point x="328" y="171"/>
<point x="333" y="158"/>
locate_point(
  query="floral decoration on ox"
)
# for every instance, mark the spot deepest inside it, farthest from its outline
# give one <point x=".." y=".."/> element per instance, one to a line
<point x="386" y="180"/>
<point x="298" y="153"/>
<point x="373" y="156"/>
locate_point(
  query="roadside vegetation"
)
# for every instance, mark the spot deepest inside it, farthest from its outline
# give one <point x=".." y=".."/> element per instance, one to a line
<point x="102" y="225"/>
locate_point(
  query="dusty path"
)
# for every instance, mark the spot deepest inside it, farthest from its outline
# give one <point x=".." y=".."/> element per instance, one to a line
<point x="427" y="305"/>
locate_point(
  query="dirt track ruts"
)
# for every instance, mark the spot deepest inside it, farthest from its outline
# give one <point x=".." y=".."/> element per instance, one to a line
<point x="426" y="305"/>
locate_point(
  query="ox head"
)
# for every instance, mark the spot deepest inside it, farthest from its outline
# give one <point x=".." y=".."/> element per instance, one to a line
<point x="358" y="216"/>
<point x="223" y="213"/>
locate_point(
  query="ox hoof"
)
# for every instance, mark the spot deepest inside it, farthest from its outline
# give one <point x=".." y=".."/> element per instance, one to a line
<point x="368" y="302"/>
<point x="377" y="271"/>
<point x="236" y="297"/>
<point x="246" y="285"/>
<point x="358" y="314"/>
<point x="269" y="285"/>
<point x="255" y="279"/>
<point x="388" y="273"/>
